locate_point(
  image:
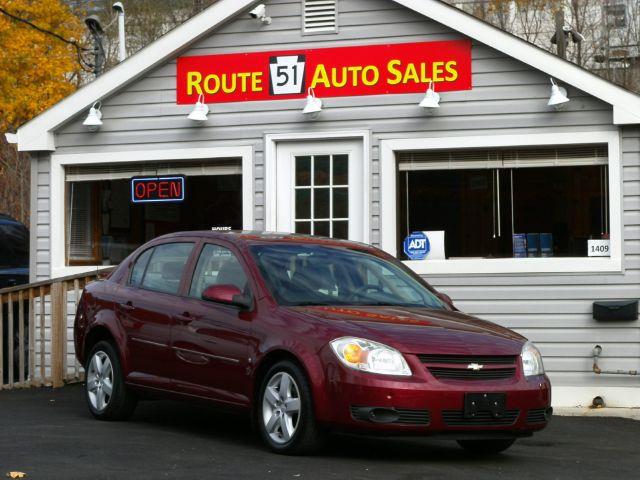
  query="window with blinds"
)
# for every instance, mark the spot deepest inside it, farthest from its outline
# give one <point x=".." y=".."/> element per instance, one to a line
<point x="81" y="224"/>
<point x="498" y="203"/>
<point x="320" y="16"/>
<point x="504" y="158"/>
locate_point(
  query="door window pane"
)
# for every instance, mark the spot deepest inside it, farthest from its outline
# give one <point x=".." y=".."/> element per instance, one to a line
<point x="217" y="266"/>
<point x="303" y="171"/>
<point x="340" y="203"/>
<point x="321" y="228"/>
<point x="341" y="169"/>
<point x="321" y="170"/>
<point x="321" y="202"/>
<point x="303" y="203"/>
<point x="165" y="267"/>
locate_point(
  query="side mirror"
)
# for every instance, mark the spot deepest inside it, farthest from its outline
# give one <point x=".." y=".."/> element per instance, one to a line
<point x="446" y="299"/>
<point x="228" y="295"/>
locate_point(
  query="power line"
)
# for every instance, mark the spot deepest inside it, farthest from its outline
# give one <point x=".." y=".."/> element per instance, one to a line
<point x="79" y="48"/>
<point x="43" y="30"/>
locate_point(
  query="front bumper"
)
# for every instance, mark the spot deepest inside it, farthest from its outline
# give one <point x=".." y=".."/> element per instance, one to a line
<point x="424" y="405"/>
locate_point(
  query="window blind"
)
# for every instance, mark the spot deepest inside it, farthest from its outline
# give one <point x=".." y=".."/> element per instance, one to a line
<point x="80" y="224"/>
<point x="87" y="173"/>
<point x="557" y="156"/>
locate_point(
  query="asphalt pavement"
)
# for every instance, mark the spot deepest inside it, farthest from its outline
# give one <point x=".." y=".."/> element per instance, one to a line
<point x="49" y="434"/>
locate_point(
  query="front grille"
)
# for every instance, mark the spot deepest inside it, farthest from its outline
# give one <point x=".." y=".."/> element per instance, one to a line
<point x="467" y="359"/>
<point x="537" y="416"/>
<point x="455" y="418"/>
<point x="460" y="374"/>
<point x="405" y="416"/>
<point x="458" y="367"/>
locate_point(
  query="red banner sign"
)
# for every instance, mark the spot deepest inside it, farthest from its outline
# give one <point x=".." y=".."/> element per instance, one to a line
<point x="331" y="72"/>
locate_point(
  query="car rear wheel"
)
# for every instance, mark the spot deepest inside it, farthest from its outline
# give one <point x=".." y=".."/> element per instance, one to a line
<point x="106" y="394"/>
<point x="487" y="446"/>
<point x="284" y="412"/>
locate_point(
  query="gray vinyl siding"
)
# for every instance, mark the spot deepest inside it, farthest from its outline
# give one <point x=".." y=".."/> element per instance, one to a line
<point x="40" y="240"/>
<point x="508" y="97"/>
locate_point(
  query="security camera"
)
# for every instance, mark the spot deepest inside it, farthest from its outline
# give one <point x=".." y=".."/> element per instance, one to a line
<point x="260" y="13"/>
<point x="93" y="24"/>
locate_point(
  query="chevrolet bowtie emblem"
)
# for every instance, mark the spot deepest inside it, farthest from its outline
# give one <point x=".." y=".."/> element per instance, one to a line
<point x="474" y="366"/>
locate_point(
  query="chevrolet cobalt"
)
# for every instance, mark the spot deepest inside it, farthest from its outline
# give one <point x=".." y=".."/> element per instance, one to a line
<point x="308" y="335"/>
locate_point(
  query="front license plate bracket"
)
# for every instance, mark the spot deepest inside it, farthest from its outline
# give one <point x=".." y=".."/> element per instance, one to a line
<point x="475" y="403"/>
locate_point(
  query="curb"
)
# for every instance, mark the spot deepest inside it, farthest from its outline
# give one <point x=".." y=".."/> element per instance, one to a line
<point x="629" y="413"/>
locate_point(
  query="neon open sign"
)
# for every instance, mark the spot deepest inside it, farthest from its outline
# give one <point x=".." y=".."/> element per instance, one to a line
<point x="157" y="189"/>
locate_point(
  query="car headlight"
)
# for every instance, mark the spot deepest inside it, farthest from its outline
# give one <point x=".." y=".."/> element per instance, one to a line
<point x="368" y="356"/>
<point x="531" y="360"/>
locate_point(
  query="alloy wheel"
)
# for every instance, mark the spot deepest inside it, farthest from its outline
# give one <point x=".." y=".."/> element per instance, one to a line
<point x="100" y="381"/>
<point x="281" y="407"/>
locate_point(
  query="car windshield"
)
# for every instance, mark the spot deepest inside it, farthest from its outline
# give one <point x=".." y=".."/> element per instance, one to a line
<point x="300" y="275"/>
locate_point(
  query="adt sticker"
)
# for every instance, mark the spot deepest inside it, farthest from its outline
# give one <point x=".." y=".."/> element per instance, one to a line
<point x="416" y="246"/>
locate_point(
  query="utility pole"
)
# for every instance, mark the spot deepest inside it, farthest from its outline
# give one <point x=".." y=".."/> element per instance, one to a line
<point x="561" y="40"/>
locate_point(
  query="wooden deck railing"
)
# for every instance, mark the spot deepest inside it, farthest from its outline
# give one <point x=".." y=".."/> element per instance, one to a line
<point x="36" y="325"/>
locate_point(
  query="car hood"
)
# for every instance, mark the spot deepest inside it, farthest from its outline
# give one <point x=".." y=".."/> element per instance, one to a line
<point x="420" y="330"/>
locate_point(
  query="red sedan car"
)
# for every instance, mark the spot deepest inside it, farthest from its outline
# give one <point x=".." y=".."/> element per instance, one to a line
<point x="307" y="334"/>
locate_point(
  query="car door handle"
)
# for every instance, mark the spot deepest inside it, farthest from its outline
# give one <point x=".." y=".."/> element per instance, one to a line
<point x="184" y="318"/>
<point x="126" y="306"/>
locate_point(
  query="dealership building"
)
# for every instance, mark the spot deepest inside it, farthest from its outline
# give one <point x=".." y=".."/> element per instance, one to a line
<point x="382" y="121"/>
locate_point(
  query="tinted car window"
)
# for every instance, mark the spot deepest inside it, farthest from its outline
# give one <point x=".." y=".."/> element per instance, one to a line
<point x="217" y="266"/>
<point x="319" y="275"/>
<point x="139" y="268"/>
<point x="165" y="267"/>
<point x="14" y="245"/>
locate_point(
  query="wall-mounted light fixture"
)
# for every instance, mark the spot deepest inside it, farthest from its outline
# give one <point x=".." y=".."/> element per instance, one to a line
<point x="558" y="96"/>
<point x="260" y="13"/>
<point x="431" y="98"/>
<point x="94" y="118"/>
<point x="200" y="111"/>
<point x="313" y="106"/>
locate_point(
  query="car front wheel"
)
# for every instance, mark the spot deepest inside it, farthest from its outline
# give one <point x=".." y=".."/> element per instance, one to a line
<point x="106" y="394"/>
<point x="284" y="412"/>
<point x="488" y="447"/>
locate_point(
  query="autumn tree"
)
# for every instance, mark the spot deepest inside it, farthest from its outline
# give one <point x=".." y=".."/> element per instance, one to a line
<point x="38" y="70"/>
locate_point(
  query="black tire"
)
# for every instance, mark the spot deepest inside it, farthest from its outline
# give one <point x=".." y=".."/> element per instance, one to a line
<point x="308" y="437"/>
<point x="122" y="402"/>
<point x="488" y="447"/>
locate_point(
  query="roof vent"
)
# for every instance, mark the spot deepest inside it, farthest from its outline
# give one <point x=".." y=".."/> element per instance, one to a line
<point x="320" y="16"/>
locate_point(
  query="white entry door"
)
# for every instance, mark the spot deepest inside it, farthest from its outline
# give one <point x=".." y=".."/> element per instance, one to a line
<point x="320" y="188"/>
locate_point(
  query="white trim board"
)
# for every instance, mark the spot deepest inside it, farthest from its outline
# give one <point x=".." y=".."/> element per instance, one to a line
<point x="388" y="205"/>
<point x="58" y="162"/>
<point x="271" y="147"/>
<point x="37" y="134"/>
<point x="577" y="396"/>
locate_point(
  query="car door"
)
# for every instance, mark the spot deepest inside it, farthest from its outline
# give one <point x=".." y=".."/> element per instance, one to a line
<point x="148" y="304"/>
<point x="210" y="340"/>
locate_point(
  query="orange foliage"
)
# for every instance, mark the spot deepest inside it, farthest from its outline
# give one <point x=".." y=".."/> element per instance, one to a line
<point x="36" y="69"/>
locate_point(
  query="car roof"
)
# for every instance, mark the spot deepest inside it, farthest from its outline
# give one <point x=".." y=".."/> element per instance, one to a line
<point x="260" y="237"/>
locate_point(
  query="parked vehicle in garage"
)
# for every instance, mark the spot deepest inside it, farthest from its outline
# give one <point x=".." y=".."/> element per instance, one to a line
<point x="308" y="334"/>
<point x="14" y="252"/>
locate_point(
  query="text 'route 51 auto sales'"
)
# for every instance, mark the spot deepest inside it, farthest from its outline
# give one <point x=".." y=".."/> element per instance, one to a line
<point x="331" y="72"/>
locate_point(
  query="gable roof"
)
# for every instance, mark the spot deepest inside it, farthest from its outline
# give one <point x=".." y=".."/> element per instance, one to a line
<point x="37" y="134"/>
